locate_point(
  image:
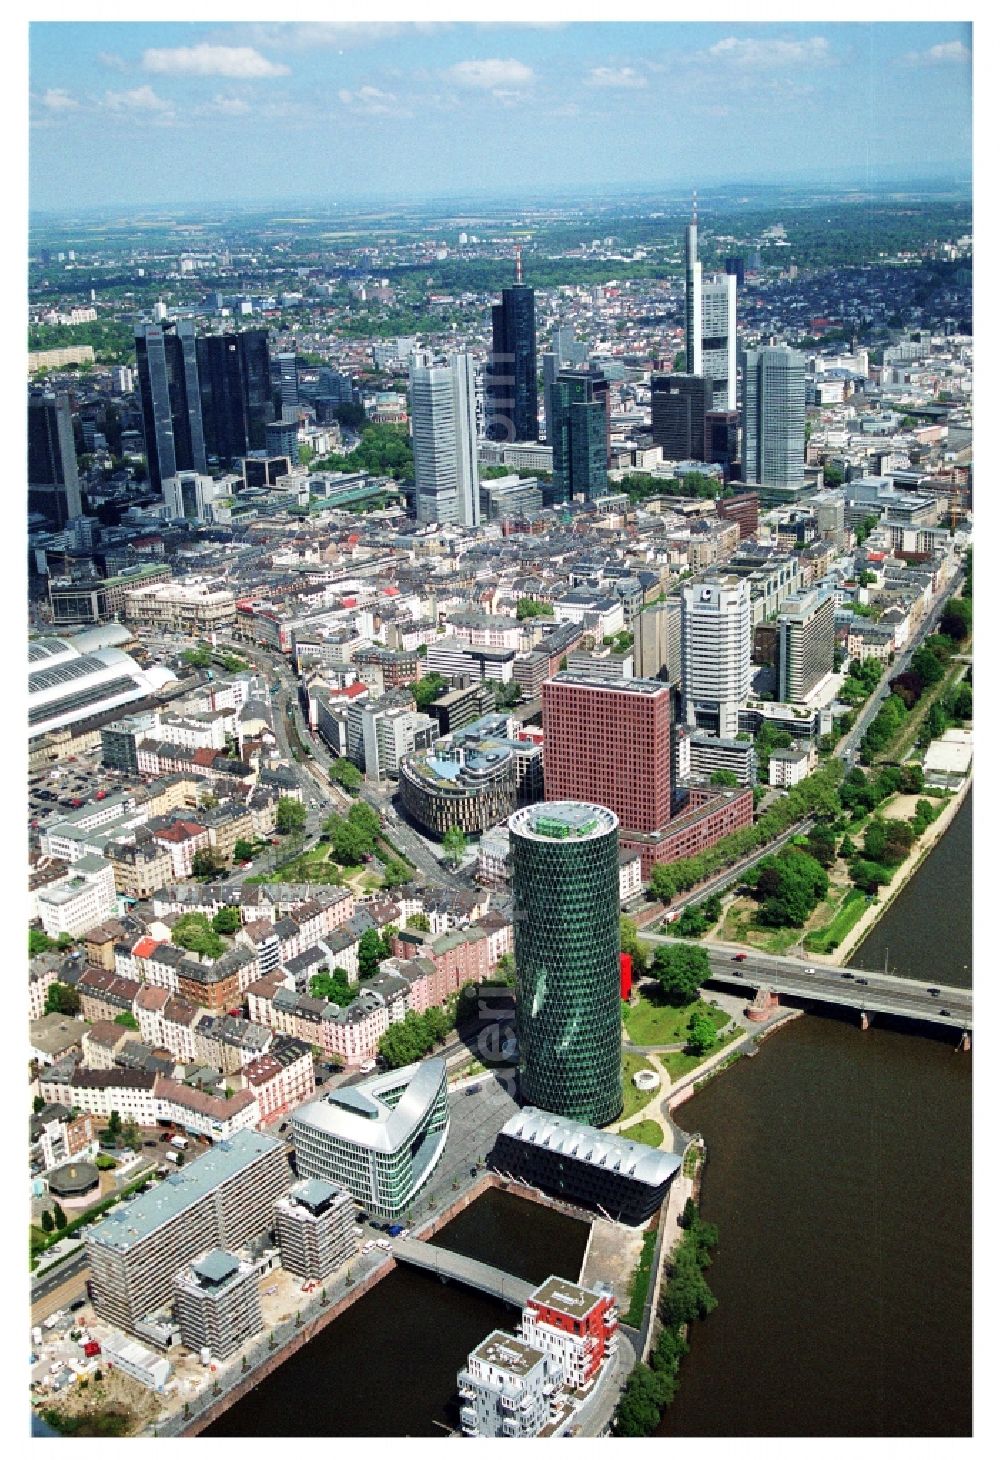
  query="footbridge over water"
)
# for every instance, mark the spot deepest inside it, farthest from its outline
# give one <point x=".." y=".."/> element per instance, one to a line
<point x="453" y="1267"/>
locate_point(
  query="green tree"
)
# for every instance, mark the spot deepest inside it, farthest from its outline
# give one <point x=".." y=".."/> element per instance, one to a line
<point x="344" y="772"/>
<point x="60" y="998"/>
<point x="38" y="1104"/>
<point x="395" y="873"/>
<point x="788" y="886"/>
<point x="114" y="1125"/>
<point x="701" y="1033"/>
<point x="869" y="876"/>
<point x="291" y="815"/>
<point x="428" y="689"/>
<point x="242" y="851"/>
<point x="505" y="970"/>
<point x="723" y="777"/>
<point x="419" y="922"/>
<point x="866" y="528"/>
<point x="194" y="932"/>
<point x="533" y="608"/>
<point x="632" y="944"/>
<point x="638" y="1410"/>
<point x="369" y="953"/>
<point x="366" y="819"/>
<point x="47" y="1222"/>
<point x="822" y="844"/>
<point x="453" y="843"/>
<point x="956" y="619"/>
<point x="680" y="972"/>
<point x="227" y="920"/>
<point x="334" y="987"/>
<point x="207" y="862"/>
<point x="127" y="1020"/>
<point x="39" y="942"/>
<point x="131" y="1135"/>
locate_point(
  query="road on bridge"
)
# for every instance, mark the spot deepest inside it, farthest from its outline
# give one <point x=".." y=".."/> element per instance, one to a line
<point x="874" y="992"/>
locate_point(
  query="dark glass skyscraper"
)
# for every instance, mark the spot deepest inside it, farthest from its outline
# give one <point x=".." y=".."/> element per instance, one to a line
<point x="578" y="433"/>
<point x="512" y="377"/>
<point x="564" y="862"/>
<point x="234" y="377"/>
<point x="167" y="365"/>
<point x="53" y="484"/>
<point x="679" y="406"/>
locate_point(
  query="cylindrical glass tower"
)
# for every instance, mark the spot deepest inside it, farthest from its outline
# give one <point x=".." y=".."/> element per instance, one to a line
<point x="564" y="862"/>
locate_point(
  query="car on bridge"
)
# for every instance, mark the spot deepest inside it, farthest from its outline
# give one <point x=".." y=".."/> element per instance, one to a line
<point x="934" y="993"/>
<point x="739" y="957"/>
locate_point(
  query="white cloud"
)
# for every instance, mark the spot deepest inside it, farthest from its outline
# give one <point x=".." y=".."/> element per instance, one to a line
<point x="58" y="100"/>
<point x="943" y="54"/>
<point x="619" y="77"/>
<point x="502" y="78"/>
<point x="230" y="106"/>
<point x="112" y="61"/>
<point x="371" y="100"/>
<point x="204" y="60"/>
<point x="140" y="99"/>
<point x="345" y="35"/>
<point x="768" y="53"/>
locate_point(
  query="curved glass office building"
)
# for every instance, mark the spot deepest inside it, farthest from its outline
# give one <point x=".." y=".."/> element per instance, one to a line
<point x="564" y="864"/>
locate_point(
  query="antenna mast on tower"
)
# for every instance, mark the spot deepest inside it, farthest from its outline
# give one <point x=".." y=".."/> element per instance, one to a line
<point x="518" y="274"/>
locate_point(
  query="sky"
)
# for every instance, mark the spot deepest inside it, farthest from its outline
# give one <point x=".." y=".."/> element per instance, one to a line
<point x="160" y="114"/>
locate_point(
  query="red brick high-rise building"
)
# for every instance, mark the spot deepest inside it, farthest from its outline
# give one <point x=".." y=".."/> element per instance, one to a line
<point x="608" y="741"/>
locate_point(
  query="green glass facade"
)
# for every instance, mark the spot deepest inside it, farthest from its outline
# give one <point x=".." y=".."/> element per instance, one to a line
<point x="564" y="861"/>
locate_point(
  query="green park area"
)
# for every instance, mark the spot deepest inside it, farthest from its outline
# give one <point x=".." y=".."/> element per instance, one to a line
<point x="654" y="1021"/>
<point x="647" y="1132"/>
<point x="635" y="1100"/>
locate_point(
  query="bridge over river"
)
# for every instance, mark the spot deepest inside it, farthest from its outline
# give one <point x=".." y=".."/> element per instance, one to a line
<point x="456" y="1268"/>
<point x="867" y="993"/>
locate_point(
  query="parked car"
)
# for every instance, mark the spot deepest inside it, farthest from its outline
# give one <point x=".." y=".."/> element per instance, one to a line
<point x="368" y="1067"/>
<point x="934" y="993"/>
<point x="384" y="1244"/>
<point x="861" y="980"/>
<point x="739" y="957"/>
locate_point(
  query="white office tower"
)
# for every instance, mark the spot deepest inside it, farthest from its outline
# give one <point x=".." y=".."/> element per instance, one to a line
<point x="159" y="311"/>
<point x="709" y="322"/>
<point x="692" y="293"/>
<point x="715" y="653"/>
<point x="718" y="339"/>
<point x="774" y="419"/>
<point x="443" y="422"/>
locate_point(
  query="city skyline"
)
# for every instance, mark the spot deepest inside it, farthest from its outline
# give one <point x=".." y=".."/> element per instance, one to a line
<point x="416" y="107"/>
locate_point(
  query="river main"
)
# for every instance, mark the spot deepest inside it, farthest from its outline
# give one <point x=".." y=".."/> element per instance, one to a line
<point x="839" y="1174"/>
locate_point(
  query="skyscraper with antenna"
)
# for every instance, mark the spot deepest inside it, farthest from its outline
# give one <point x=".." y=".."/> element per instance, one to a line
<point x="512" y="373"/>
<point x="709" y="322"/>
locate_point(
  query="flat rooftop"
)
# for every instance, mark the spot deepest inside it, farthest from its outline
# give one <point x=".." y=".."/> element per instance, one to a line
<point x="505" y="1351"/>
<point x="133" y="1221"/>
<point x="567" y="1297"/>
<point x="563" y="821"/>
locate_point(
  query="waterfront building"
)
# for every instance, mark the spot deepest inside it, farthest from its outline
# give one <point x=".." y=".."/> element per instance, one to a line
<point x="715" y="653"/>
<point x="512" y="374"/>
<point x="380" y="1139"/>
<point x="169" y="393"/>
<point x="805" y="643"/>
<point x="774" y="421"/>
<point x="623" y="1179"/>
<point x="53" y="481"/>
<point x="443" y="420"/>
<point x="508" y="1389"/>
<point x="564" y="873"/>
<point x="217" y="1301"/>
<point x="574" y="1326"/>
<point x="317" y="1232"/>
<point x="225" y="1197"/>
<point x="609" y="741"/>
